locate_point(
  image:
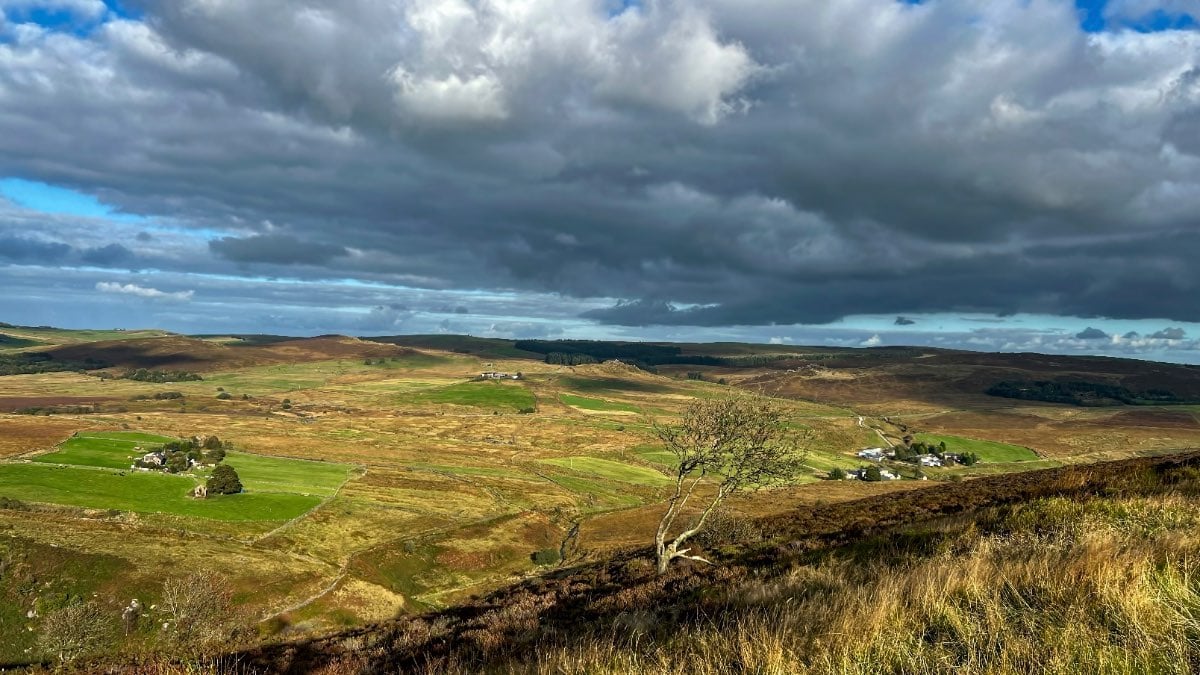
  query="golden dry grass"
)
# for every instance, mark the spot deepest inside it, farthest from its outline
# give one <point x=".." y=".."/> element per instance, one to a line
<point x="22" y="434"/>
<point x="1106" y="586"/>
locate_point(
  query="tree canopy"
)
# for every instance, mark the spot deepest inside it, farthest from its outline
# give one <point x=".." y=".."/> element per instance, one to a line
<point x="224" y="481"/>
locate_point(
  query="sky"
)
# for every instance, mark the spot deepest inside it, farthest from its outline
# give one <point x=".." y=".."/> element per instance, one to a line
<point x="996" y="175"/>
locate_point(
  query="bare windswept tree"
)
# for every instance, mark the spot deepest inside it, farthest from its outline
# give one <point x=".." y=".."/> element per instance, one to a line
<point x="76" y="630"/>
<point x="199" y="609"/>
<point x="741" y="442"/>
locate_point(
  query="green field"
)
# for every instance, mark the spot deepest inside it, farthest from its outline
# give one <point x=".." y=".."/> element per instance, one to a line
<point x="828" y="461"/>
<point x="488" y="394"/>
<point x="601" y="496"/>
<point x="276" y="488"/>
<point x="10" y="342"/>
<point x="597" y="404"/>
<point x="276" y="474"/>
<point x="657" y="455"/>
<point x="142" y="492"/>
<point x="612" y="384"/>
<point x="112" y="450"/>
<point x="605" y="468"/>
<point x="988" y="451"/>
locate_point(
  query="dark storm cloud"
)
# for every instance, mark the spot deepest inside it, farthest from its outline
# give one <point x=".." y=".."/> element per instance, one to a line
<point x="23" y="250"/>
<point x="707" y="163"/>
<point x="276" y="249"/>
<point x="1169" y="334"/>
<point x="903" y="321"/>
<point x="111" y="254"/>
<point x="1090" y="333"/>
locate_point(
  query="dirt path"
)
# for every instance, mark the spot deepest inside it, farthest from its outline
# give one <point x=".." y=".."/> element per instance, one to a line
<point x="876" y="430"/>
<point x="310" y="599"/>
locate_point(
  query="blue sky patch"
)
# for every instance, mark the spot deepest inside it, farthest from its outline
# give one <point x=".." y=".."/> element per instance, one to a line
<point x="52" y="199"/>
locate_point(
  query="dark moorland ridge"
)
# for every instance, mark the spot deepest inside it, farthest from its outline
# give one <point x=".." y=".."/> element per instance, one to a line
<point x="506" y="625"/>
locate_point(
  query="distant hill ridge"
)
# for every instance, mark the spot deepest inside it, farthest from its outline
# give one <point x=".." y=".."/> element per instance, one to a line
<point x="199" y="355"/>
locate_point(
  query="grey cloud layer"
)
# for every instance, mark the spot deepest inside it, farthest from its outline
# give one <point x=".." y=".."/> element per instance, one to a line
<point x="708" y="163"/>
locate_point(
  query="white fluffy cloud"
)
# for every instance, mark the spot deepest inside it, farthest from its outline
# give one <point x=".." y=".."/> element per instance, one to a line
<point x="142" y="291"/>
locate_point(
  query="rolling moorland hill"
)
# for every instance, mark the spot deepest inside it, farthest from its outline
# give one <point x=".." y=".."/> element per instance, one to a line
<point x="1059" y="571"/>
<point x="392" y="490"/>
<point x="206" y="355"/>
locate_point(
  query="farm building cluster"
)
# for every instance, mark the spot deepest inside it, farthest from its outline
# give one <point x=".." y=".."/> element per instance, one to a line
<point x="493" y="375"/>
<point x="924" y="459"/>
<point x="920" y="454"/>
<point x="181" y="455"/>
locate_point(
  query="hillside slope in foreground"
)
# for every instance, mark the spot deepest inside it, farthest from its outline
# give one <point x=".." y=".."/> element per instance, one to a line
<point x="1076" y="569"/>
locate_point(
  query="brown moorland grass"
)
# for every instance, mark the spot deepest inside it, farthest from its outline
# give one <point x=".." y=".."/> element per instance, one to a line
<point x="21" y="434"/>
<point x="791" y="603"/>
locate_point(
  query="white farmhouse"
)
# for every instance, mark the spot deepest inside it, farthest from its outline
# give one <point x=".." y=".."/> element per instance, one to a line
<point x="873" y="454"/>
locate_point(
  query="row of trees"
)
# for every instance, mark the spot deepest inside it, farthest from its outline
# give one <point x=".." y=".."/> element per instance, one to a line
<point x="36" y="362"/>
<point x="161" y="376"/>
<point x="1082" y="393"/>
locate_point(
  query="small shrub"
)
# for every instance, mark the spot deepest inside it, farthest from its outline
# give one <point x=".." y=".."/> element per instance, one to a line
<point x="725" y="527"/>
<point x="10" y="504"/>
<point x="838" y="474"/>
<point x="74" y="631"/>
<point x="546" y="556"/>
<point x="527" y="410"/>
<point x="224" y="396"/>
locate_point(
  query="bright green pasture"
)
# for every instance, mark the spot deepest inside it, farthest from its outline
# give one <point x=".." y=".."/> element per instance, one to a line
<point x="127" y="436"/>
<point x="612" y="384"/>
<point x="828" y="461"/>
<point x="111" y="449"/>
<point x="605" y="468"/>
<point x="142" y="492"/>
<point x="596" y="404"/>
<point x="277" y="474"/>
<point x="988" y="451"/>
<point x="604" y="495"/>
<point x="262" y="380"/>
<point x="287" y="478"/>
<point x="486" y="394"/>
